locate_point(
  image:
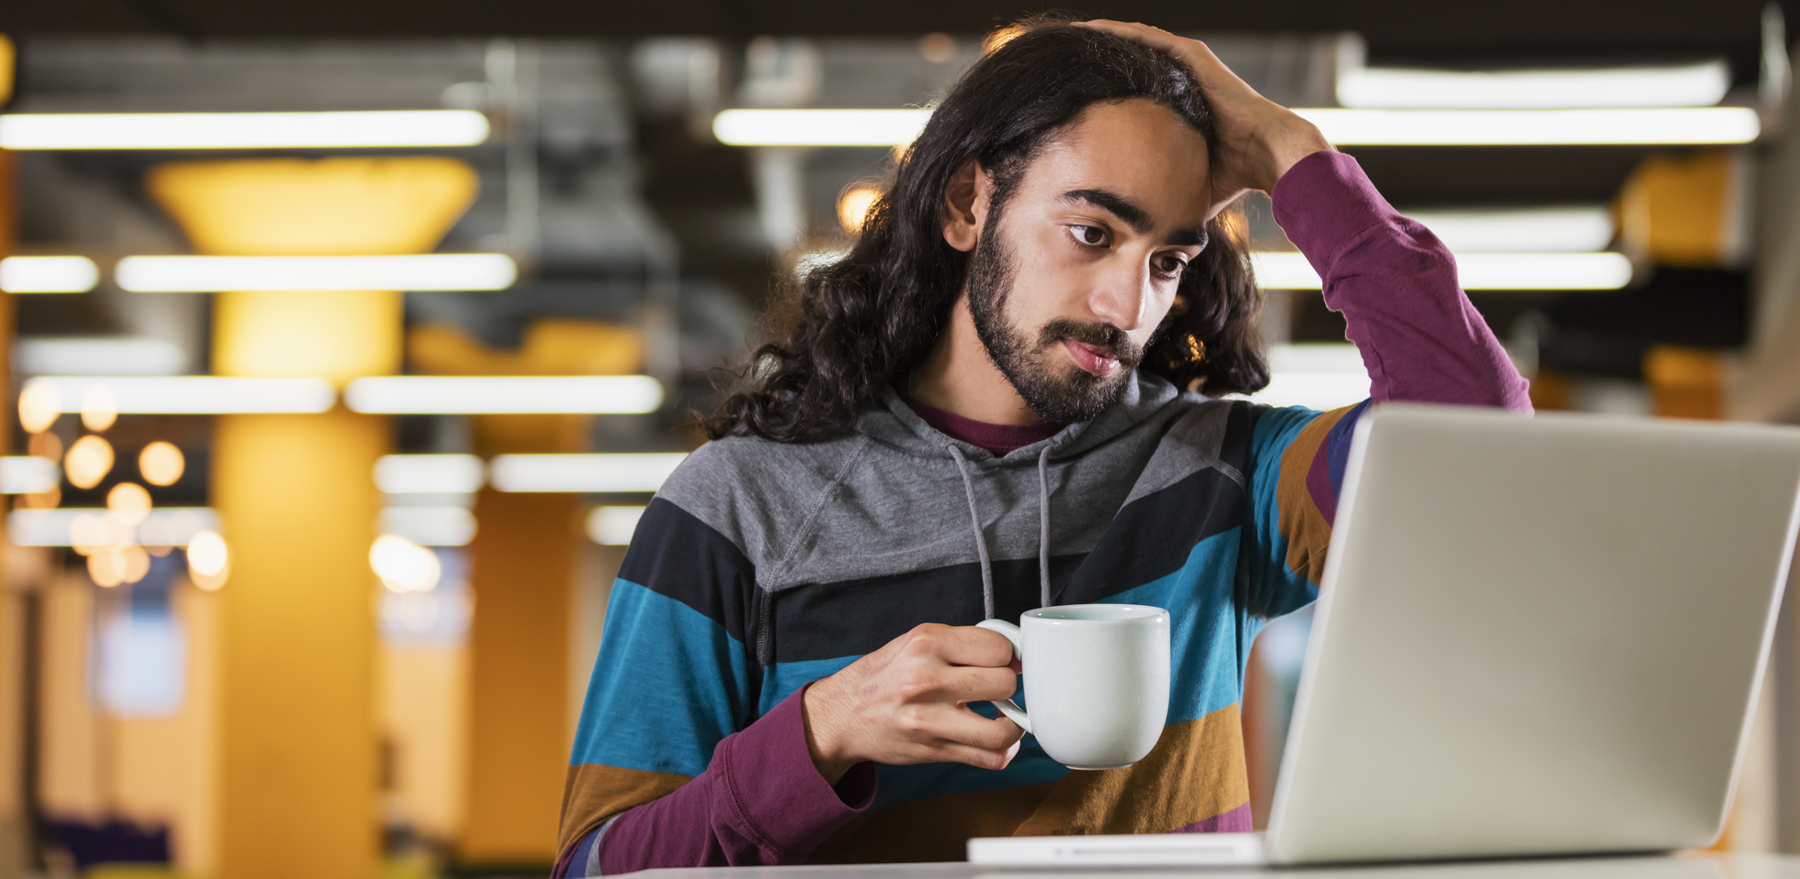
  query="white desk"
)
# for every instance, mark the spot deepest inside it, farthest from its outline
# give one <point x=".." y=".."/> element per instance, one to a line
<point x="1675" y="867"/>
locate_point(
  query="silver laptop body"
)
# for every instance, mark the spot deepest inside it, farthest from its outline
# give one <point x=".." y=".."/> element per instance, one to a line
<point x="1536" y="636"/>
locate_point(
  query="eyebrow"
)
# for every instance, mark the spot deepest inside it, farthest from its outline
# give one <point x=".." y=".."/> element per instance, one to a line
<point x="1134" y="215"/>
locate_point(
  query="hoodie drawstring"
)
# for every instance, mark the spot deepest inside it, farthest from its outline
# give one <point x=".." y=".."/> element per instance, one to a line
<point x="1044" y="527"/>
<point x="981" y="550"/>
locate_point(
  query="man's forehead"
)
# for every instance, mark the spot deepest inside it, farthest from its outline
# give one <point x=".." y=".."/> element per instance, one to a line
<point x="1160" y="170"/>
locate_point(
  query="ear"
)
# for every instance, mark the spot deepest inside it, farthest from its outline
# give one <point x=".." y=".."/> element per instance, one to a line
<point x="966" y="200"/>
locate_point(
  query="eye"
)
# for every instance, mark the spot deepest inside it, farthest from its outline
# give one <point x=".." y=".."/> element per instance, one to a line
<point x="1169" y="264"/>
<point x="1092" y="236"/>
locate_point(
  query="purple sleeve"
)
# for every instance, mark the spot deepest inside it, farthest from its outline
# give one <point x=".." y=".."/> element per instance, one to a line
<point x="1396" y="285"/>
<point x="759" y="802"/>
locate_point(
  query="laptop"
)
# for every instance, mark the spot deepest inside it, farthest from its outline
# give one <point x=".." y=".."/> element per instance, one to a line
<point x="1536" y="636"/>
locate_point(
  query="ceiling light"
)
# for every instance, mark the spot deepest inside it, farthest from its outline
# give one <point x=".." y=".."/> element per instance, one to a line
<point x="195" y="394"/>
<point x="1683" y="125"/>
<point x="498" y="395"/>
<point x="98" y="355"/>
<point x="206" y="131"/>
<point x="429" y="526"/>
<point x="1521" y="230"/>
<point x="429" y="474"/>
<point x="1315" y="376"/>
<point x="205" y="274"/>
<point x="613" y="526"/>
<point x="1475" y="271"/>
<point x="28" y="474"/>
<point x="1350" y="127"/>
<point x="48" y="274"/>
<point x="882" y="128"/>
<point x="621" y="472"/>
<point x="172" y="526"/>
<point x="1683" y="85"/>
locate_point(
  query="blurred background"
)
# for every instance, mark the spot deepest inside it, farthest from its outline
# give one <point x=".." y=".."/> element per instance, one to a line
<point x="348" y="340"/>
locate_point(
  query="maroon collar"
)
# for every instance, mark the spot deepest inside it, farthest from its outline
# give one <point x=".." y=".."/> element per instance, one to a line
<point x="998" y="439"/>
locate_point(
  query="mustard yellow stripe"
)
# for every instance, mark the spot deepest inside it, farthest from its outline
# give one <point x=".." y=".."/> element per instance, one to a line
<point x="1299" y="520"/>
<point x="593" y="793"/>
<point x="1195" y="772"/>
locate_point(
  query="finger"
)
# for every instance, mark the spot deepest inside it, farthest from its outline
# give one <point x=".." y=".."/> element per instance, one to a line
<point x="973" y="645"/>
<point x="964" y="727"/>
<point x="976" y="757"/>
<point x="970" y="683"/>
<point x="1194" y="52"/>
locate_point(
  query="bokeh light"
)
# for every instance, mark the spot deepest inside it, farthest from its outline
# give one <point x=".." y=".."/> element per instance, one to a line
<point x="404" y="566"/>
<point x="99" y="408"/>
<point x="45" y="445"/>
<point x="39" y="405"/>
<point x="209" y="560"/>
<point x="106" y="567"/>
<point x="161" y="463"/>
<point x="157" y="535"/>
<point x="88" y="461"/>
<point x="853" y="207"/>
<point x="128" y="502"/>
<point x="937" y="48"/>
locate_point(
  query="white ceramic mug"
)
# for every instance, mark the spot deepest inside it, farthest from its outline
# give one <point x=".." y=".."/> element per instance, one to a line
<point x="1096" y="681"/>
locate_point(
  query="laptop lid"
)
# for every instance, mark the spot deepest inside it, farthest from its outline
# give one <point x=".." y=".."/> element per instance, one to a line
<point x="1536" y="635"/>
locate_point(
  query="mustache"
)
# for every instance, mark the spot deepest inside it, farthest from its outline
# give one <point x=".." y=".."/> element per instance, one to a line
<point x="1098" y="335"/>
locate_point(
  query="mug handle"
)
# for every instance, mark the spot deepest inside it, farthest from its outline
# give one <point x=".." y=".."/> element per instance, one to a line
<point x="1008" y="707"/>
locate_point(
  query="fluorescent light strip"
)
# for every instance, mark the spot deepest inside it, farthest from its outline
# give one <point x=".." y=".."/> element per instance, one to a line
<point x="622" y="472"/>
<point x="430" y="526"/>
<point x="102" y="355"/>
<point x="165" y="526"/>
<point x="1679" y="125"/>
<point x="819" y="127"/>
<point x="198" y="394"/>
<point x="1689" y="125"/>
<point x="498" y="395"/>
<point x="1475" y="271"/>
<point x="429" y="474"/>
<point x="1521" y="230"/>
<point x="1685" y="85"/>
<point x="26" y="474"/>
<point x="212" y="131"/>
<point x="613" y="526"/>
<point x="205" y="274"/>
<point x="1326" y="376"/>
<point x="48" y="274"/>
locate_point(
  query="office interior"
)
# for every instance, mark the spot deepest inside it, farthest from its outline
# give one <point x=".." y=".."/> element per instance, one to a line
<point x="345" y="343"/>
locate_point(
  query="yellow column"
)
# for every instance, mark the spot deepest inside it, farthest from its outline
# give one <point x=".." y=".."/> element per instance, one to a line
<point x="298" y="790"/>
<point x="523" y="567"/>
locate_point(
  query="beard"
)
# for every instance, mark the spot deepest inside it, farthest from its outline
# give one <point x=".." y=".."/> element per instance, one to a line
<point x="1056" y="391"/>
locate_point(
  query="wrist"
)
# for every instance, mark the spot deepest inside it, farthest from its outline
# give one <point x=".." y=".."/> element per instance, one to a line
<point x="1289" y="142"/>
<point x="818" y="712"/>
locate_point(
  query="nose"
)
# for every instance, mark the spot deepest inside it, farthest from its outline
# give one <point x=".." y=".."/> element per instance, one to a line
<point x="1121" y="295"/>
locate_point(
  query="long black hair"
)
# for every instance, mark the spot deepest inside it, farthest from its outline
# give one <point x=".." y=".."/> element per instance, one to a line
<point x="850" y="326"/>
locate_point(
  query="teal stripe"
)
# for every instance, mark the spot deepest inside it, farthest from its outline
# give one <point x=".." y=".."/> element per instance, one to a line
<point x="668" y="685"/>
<point x="1275" y="431"/>
<point x="785" y="678"/>
<point x="1209" y="636"/>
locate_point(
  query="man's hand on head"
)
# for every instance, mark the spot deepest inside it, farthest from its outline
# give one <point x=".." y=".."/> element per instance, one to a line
<point x="1258" y="139"/>
<point x="906" y="703"/>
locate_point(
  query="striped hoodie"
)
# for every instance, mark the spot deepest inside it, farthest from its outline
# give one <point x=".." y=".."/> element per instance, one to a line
<point x="761" y="567"/>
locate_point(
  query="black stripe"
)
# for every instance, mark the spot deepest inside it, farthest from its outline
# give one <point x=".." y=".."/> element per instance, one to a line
<point x="1240" y="427"/>
<point x="1150" y="538"/>
<point x="676" y="555"/>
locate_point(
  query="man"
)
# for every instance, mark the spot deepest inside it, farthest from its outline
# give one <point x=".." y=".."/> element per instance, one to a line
<point x="1005" y="396"/>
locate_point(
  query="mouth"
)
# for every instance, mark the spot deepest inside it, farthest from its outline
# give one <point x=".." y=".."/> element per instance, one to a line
<point x="1096" y="359"/>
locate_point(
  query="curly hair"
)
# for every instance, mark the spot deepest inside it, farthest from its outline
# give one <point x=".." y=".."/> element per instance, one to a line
<point x="848" y="327"/>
